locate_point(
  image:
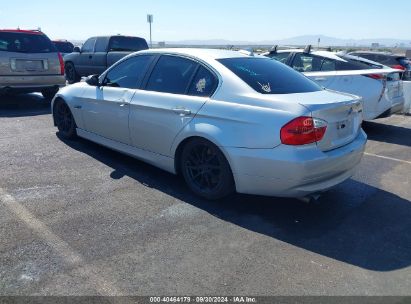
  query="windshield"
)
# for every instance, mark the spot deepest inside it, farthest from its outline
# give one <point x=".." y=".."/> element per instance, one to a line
<point x="25" y="43"/>
<point x="268" y="76"/>
<point x="64" y="47"/>
<point x="127" y="44"/>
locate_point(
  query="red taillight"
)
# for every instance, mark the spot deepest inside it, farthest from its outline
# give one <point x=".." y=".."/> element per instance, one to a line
<point x="398" y="67"/>
<point x="61" y="64"/>
<point x="375" y="76"/>
<point x="303" y="130"/>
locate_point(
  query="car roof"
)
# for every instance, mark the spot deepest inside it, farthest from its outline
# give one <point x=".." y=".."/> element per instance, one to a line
<point x="199" y="53"/>
<point x="34" y="32"/>
<point x="325" y="54"/>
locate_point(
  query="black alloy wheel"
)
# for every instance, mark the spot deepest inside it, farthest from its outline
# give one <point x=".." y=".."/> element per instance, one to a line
<point x="206" y="170"/>
<point x="64" y="120"/>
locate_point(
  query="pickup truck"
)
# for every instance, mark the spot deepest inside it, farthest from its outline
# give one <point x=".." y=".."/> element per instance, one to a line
<point x="99" y="53"/>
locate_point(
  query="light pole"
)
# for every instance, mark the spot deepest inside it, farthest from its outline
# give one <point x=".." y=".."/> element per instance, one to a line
<point x="150" y="20"/>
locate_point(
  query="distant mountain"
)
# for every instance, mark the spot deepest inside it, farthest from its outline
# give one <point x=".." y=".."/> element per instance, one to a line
<point x="301" y="40"/>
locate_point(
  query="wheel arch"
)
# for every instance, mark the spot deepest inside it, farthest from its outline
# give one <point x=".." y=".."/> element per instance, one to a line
<point x="55" y="101"/>
<point x="178" y="148"/>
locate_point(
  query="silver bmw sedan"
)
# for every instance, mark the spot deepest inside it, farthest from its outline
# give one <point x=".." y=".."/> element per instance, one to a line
<point x="224" y="120"/>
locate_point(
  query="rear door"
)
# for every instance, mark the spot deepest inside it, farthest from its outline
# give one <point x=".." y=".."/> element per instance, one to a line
<point x="105" y="109"/>
<point x="175" y="91"/>
<point x="85" y="62"/>
<point x="27" y="54"/>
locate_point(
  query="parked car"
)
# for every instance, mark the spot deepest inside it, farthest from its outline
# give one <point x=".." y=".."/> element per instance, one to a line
<point x="380" y="87"/>
<point x="99" y="53"/>
<point x="388" y="59"/>
<point x="63" y="46"/>
<point x="29" y="62"/>
<point x="223" y="120"/>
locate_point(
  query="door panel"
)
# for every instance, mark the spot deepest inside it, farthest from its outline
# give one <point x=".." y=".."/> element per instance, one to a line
<point x="106" y="112"/>
<point x="156" y="118"/>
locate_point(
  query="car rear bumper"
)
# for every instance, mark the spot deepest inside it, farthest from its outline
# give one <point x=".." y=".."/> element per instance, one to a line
<point x="31" y="83"/>
<point x="288" y="171"/>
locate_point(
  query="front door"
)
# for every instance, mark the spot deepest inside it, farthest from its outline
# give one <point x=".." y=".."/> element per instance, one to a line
<point x="105" y="109"/>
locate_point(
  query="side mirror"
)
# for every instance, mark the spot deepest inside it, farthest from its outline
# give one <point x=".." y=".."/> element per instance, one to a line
<point x="93" y="80"/>
<point x="76" y="49"/>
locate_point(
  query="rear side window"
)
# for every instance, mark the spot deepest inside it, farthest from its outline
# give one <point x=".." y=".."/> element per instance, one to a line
<point x="328" y="65"/>
<point x="88" y="46"/>
<point x="172" y="75"/>
<point x="307" y="63"/>
<point x="129" y="73"/>
<point x="267" y="76"/>
<point x="25" y="43"/>
<point x="203" y="84"/>
<point x="127" y="44"/>
<point x="281" y="57"/>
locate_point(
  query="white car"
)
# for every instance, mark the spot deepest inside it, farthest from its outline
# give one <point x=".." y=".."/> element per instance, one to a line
<point x="380" y="87"/>
<point x="223" y="120"/>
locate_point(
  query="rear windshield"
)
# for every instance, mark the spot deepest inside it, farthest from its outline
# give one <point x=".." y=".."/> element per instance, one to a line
<point x="64" y="47"/>
<point x="127" y="44"/>
<point x="351" y="63"/>
<point x="268" y="76"/>
<point x="25" y="43"/>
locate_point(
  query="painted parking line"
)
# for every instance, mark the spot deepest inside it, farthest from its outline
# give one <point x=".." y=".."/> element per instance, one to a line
<point x="388" y="158"/>
<point x="62" y="248"/>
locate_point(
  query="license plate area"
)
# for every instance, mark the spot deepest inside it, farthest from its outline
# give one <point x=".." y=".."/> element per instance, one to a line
<point x="344" y="128"/>
<point x="24" y="65"/>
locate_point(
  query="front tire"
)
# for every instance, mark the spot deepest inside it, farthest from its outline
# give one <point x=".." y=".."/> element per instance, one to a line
<point x="64" y="120"/>
<point x="206" y="170"/>
<point x="49" y="94"/>
<point x="71" y="73"/>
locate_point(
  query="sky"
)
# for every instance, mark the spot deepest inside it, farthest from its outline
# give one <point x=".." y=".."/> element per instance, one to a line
<point x="241" y="20"/>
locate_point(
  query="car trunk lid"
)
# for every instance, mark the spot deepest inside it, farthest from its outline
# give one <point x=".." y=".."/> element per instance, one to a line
<point x="343" y="114"/>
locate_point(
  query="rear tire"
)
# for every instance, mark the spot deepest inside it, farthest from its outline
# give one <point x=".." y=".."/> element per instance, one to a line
<point x="206" y="170"/>
<point x="64" y="120"/>
<point x="71" y="73"/>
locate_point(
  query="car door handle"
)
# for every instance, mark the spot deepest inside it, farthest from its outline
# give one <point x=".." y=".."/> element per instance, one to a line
<point x="320" y="79"/>
<point x="77" y="107"/>
<point x="181" y="111"/>
<point x="90" y="57"/>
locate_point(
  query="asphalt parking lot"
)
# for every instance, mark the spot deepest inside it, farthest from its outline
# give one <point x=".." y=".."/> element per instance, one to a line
<point x="79" y="219"/>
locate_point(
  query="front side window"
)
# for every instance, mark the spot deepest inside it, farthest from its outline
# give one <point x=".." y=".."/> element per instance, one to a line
<point x="203" y="84"/>
<point x="88" y="46"/>
<point x="25" y="43"/>
<point x="171" y="75"/>
<point x="267" y="76"/>
<point x="129" y="73"/>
